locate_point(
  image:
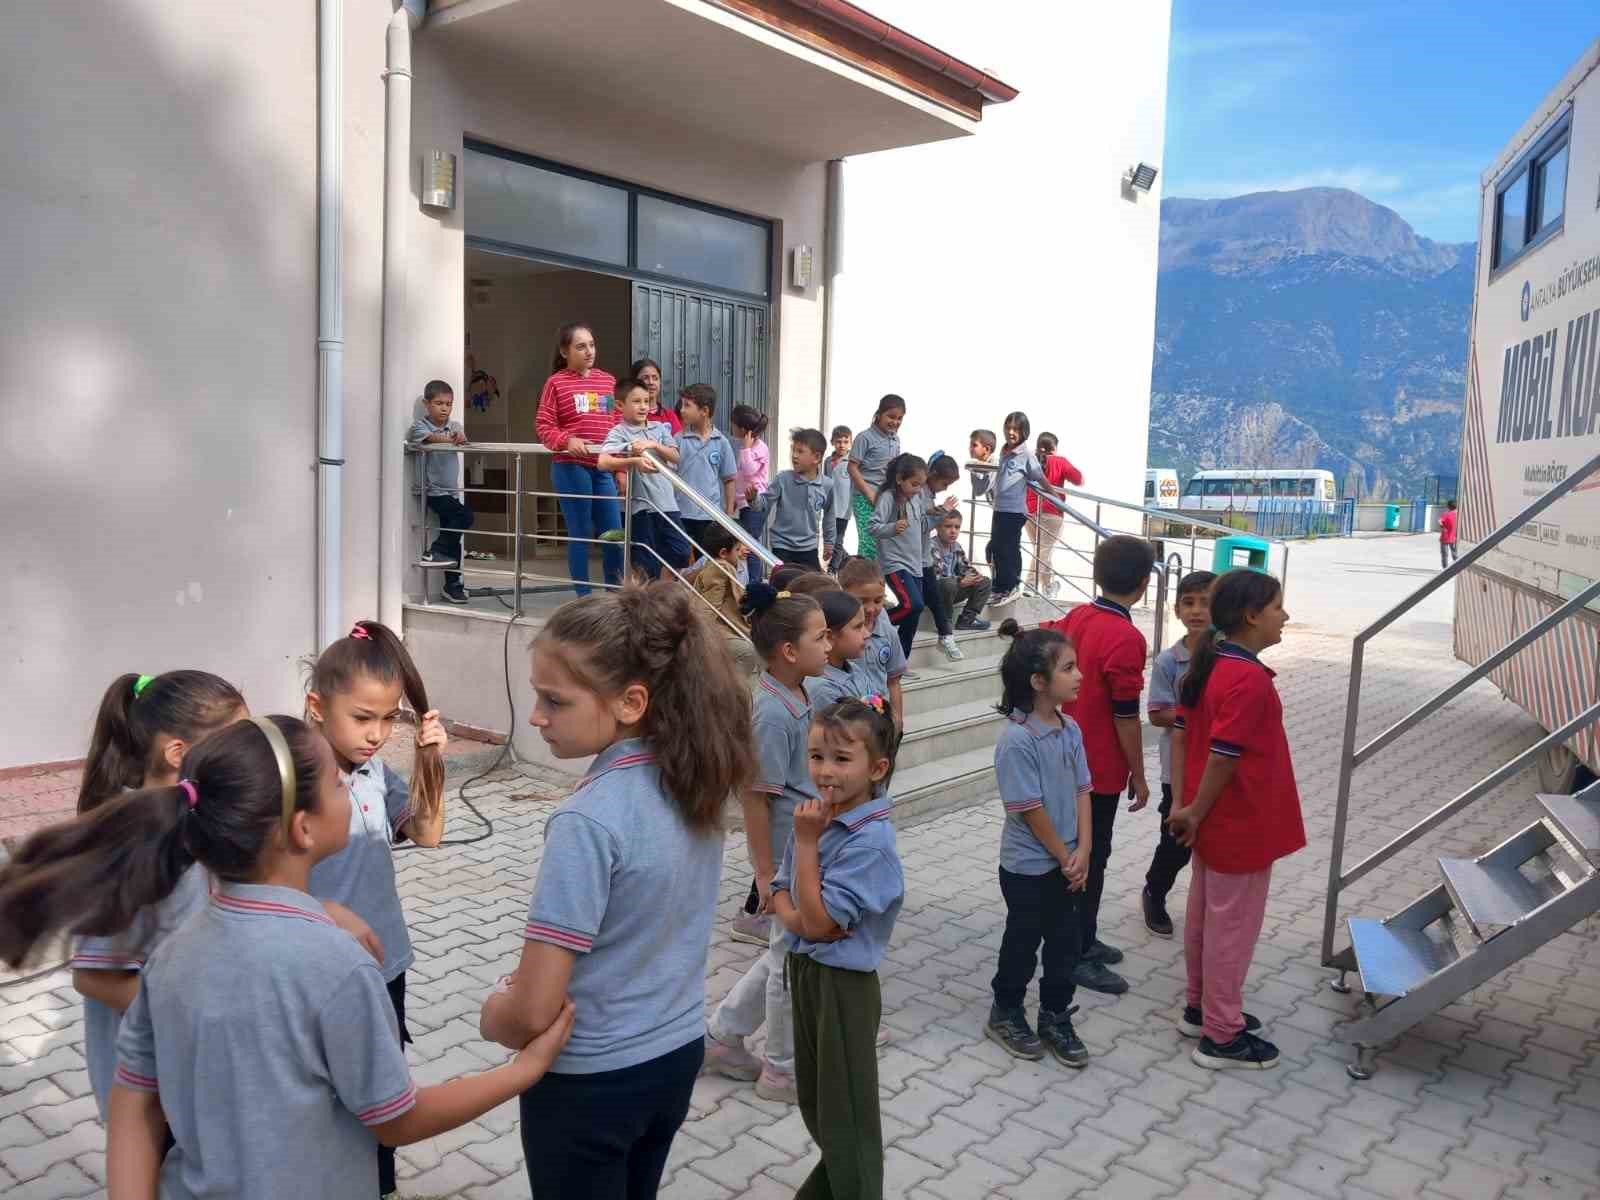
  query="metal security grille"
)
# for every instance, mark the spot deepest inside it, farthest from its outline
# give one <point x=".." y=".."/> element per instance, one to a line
<point x="700" y="338"/>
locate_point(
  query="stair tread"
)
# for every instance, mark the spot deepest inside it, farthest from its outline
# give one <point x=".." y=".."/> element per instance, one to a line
<point x="946" y="672"/>
<point x="952" y="766"/>
<point x="1495" y="893"/>
<point x="1579" y="819"/>
<point x="933" y="720"/>
<point x="1393" y="960"/>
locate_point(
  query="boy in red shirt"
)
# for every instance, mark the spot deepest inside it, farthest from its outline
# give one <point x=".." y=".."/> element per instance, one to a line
<point x="1237" y="805"/>
<point x="1447" y="535"/>
<point x="1045" y="528"/>
<point x="1111" y="655"/>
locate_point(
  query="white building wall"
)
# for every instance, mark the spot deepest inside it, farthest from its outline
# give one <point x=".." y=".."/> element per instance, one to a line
<point x="1006" y="271"/>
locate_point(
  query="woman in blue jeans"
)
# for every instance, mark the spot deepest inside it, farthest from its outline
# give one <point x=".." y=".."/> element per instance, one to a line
<point x="576" y="410"/>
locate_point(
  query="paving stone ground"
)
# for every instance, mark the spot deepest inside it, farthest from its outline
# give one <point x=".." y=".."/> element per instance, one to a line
<point x="1496" y="1096"/>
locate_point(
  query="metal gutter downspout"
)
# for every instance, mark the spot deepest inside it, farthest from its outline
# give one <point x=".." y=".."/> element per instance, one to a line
<point x="330" y="319"/>
<point x="833" y="268"/>
<point x="395" y="401"/>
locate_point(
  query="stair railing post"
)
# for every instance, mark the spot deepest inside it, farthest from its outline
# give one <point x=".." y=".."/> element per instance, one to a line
<point x="1341" y="811"/>
<point x="627" y="523"/>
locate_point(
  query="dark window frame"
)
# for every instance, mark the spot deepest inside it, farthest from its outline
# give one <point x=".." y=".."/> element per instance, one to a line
<point x="1548" y="145"/>
<point x="634" y="191"/>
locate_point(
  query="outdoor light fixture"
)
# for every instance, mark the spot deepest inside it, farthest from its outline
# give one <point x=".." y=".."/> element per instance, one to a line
<point x="1139" y="178"/>
<point x="800" y="262"/>
<point x="438" y="179"/>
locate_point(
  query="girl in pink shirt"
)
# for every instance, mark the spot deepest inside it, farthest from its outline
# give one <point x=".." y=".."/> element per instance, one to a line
<point x="755" y="461"/>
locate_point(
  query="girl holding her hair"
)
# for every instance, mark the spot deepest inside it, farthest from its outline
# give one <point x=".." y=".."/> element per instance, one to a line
<point x="1237" y="806"/>
<point x="577" y="408"/>
<point x="901" y="520"/>
<point x="874" y="448"/>
<point x="357" y="686"/>
<point x="621" y="912"/>
<point x="258" y="1014"/>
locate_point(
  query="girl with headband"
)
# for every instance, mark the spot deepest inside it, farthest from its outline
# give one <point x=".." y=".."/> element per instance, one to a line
<point x="257" y="1014"/>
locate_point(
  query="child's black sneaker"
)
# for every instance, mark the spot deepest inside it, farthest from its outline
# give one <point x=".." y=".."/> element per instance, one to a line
<point x="1191" y="1023"/>
<point x="1246" y="1052"/>
<point x="1009" y="1029"/>
<point x="456" y="595"/>
<point x="1099" y="952"/>
<point x="1098" y="977"/>
<point x="1156" y="919"/>
<point x="1061" y="1039"/>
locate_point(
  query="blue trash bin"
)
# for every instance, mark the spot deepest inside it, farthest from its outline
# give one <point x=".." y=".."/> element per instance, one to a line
<point x="1226" y="554"/>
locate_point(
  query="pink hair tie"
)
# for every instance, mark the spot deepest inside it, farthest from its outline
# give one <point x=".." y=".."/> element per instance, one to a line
<point x="188" y="789"/>
<point x="360" y="632"/>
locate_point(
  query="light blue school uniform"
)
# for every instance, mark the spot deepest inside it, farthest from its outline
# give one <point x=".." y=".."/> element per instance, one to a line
<point x="833" y="685"/>
<point x="361" y="876"/>
<point x="704" y="462"/>
<point x="781" y="724"/>
<point x="863" y="886"/>
<point x="1166" y="673"/>
<point x="631" y="890"/>
<point x="838" y="477"/>
<point x="1038" y="764"/>
<point x="267" y="1033"/>
<point x="872" y="451"/>
<point x="441" y="471"/>
<point x="904" y="551"/>
<point x="793" y="503"/>
<point x="884" y="658"/>
<point x="1016" y="469"/>
<point x="129" y="951"/>
<point x="652" y="488"/>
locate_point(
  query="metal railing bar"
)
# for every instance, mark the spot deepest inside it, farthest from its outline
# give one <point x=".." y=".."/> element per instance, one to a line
<point x="714" y="511"/>
<point x="1428" y="707"/>
<point x="737" y="632"/>
<point x="1442" y="814"/>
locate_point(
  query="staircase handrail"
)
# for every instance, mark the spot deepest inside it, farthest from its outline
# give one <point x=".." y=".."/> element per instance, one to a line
<point x="1350" y="757"/>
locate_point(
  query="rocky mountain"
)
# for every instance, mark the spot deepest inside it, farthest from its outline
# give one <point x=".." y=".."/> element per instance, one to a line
<point x="1308" y="328"/>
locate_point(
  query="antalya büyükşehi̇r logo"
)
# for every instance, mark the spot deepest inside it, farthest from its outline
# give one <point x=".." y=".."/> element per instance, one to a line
<point x="1527" y="299"/>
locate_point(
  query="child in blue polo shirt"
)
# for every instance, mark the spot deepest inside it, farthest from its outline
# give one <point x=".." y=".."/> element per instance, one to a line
<point x="1044" y="844"/>
<point x="847" y="640"/>
<point x="838" y="894"/>
<point x="620" y="918"/>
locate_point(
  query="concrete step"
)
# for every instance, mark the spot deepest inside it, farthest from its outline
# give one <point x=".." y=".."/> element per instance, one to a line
<point x="953" y="782"/>
<point x="935" y="687"/>
<point x="944" y="732"/>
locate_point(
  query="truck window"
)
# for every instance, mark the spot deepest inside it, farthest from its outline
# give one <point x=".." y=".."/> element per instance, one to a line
<point x="1308" y="487"/>
<point x="1149" y="489"/>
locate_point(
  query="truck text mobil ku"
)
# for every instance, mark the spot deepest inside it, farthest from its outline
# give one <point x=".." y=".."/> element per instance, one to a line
<point x="1533" y="407"/>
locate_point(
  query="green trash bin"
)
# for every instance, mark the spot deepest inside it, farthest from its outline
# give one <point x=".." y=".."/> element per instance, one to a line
<point x="1391" y="518"/>
<point x="1239" y="550"/>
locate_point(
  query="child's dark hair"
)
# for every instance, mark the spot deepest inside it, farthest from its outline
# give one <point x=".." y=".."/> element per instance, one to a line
<point x="985" y="436"/>
<point x="889" y="403"/>
<point x="943" y="469"/>
<point x="774" y="619"/>
<point x="952" y="514"/>
<point x="1239" y="594"/>
<point x="783" y="578"/>
<point x="1019" y="422"/>
<point x="372" y="651"/>
<point x="811" y="583"/>
<point x="135" y="710"/>
<point x="859" y="571"/>
<point x="654" y="635"/>
<point x="748" y="420"/>
<point x="436" y="387"/>
<point x="840" y="431"/>
<point x="1032" y="652"/>
<point x="1045" y="445"/>
<point x="1194" y="581"/>
<point x="636" y="369"/>
<point x="811" y="439"/>
<point x="702" y="394"/>
<point x="1122" y="564"/>
<point x="1451" y="504"/>
<point x="904" y="466"/>
<point x="564" y="337"/>
<point x="93" y="874"/>
<point x="626" y="387"/>
<point x="716" y="540"/>
<point x="839" y="607"/>
<point x="870" y="721"/>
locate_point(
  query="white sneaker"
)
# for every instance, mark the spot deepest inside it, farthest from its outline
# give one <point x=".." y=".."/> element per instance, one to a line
<point x="776" y="1085"/>
<point x="951" y="651"/>
<point x="730" y="1059"/>
<point x="1003" y="599"/>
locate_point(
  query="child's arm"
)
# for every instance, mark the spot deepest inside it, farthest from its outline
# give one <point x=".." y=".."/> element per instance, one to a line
<point x="1130" y="736"/>
<point x="1162" y="718"/>
<point x="114" y="989"/>
<point x="758" y="836"/>
<point x="1124" y="679"/>
<point x="423" y="829"/>
<point x="860" y="483"/>
<point x="885" y="518"/>
<point x="447" y="1106"/>
<point x="810" y="819"/>
<point x="1040" y="825"/>
<point x="1185" y="822"/>
<point x="729" y="506"/>
<point x="1179" y="737"/>
<point x="515" y="1015"/>
<point x="895" y="703"/>
<point x="135" y="1129"/>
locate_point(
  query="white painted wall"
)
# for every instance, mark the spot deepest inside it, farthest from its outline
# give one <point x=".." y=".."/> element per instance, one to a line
<point x="1006" y="271"/>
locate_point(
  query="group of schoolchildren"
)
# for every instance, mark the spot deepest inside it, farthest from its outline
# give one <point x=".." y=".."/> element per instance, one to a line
<point x="242" y="950"/>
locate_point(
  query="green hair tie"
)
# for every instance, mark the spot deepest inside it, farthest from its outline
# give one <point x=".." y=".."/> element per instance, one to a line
<point x="140" y="684"/>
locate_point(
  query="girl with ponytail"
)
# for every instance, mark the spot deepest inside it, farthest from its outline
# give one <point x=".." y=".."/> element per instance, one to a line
<point x="257" y="1013"/>
<point x="1235" y="803"/>
<point x="357" y="687"/>
<point x="621" y="912"/>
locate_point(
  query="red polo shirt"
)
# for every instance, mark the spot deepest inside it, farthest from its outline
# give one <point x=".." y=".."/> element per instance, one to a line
<point x="574" y="405"/>
<point x="1111" y="655"/>
<point x="1256" y="820"/>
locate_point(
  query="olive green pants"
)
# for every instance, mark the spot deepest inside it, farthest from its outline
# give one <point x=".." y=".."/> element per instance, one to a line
<point x="836" y="1075"/>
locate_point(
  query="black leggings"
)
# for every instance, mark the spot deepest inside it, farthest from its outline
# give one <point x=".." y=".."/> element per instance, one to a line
<point x="606" y="1136"/>
<point x="397" y="997"/>
<point x="1005" y="545"/>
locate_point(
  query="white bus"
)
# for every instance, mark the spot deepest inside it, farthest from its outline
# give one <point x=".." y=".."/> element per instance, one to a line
<point x="1533" y="406"/>
<point x="1243" y="491"/>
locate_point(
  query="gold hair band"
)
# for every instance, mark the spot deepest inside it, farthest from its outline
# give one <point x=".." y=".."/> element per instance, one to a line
<point x="280" y="751"/>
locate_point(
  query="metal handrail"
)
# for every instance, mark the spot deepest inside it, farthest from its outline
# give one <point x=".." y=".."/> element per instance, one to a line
<point x="1350" y="757"/>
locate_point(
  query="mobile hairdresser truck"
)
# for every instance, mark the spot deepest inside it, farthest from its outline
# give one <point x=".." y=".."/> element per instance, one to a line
<point x="1533" y="407"/>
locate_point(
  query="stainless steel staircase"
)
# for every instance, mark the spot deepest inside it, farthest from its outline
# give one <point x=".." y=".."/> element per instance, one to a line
<point x="1485" y="913"/>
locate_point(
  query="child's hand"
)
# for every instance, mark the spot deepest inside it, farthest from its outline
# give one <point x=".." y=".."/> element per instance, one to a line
<point x="1183" y="825"/>
<point x="535" y="1058"/>
<point x="901" y="525"/>
<point x="763" y="895"/>
<point x="431" y="732"/>
<point x="810" y="819"/>
<point x="459" y="438"/>
<point x="827" y="550"/>
<point x="970" y="579"/>
<point x="576" y="445"/>
<point x="872" y="495"/>
<point x="648" y="466"/>
<point x="790" y="916"/>
<point x="1140" y="793"/>
<point x="949" y="503"/>
<point x="1076" y="868"/>
<point x="356" y="928"/>
<point x="750" y="494"/>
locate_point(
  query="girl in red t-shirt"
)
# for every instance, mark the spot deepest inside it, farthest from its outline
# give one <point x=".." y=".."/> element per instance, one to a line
<point x="1238" y="807"/>
<point x="577" y="409"/>
<point x="1045" y="528"/>
<point x="648" y="372"/>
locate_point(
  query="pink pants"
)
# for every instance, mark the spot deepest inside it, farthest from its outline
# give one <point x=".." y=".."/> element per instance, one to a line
<point x="1219" y="939"/>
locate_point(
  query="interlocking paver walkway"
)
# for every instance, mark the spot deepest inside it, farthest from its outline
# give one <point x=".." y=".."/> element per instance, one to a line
<point x="1497" y="1096"/>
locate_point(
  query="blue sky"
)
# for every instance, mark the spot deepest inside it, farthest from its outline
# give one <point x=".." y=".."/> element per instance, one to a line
<point x="1404" y="101"/>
